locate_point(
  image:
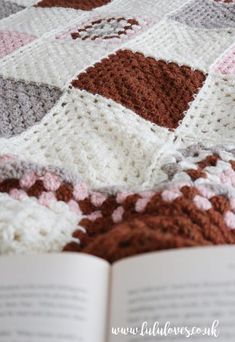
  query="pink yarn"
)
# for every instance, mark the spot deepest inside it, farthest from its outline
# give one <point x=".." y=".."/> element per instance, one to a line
<point x="95" y="215"/>
<point x="229" y="218"/>
<point x="202" y="203"/>
<point x="121" y="196"/>
<point x="51" y="181"/>
<point x="170" y="195"/>
<point x="141" y="204"/>
<point x="177" y="186"/>
<point x="80" y="191"/>
<point x="118" y="214"/>
<point x="97" y="198"/>
<point x="226" y="65"/>
<point x="147" y="194"/>
<point x="28" y="179"/>
<point x="5" y="157"/>
<point x="46" y="198"/>
<point x="228" y="177"/>
<point x="73" y="205"/>
<point x="232" y="203"/>
<point x="11" y="41"/>
<point x="17" y="194"/>
<point x="205" y="192"/>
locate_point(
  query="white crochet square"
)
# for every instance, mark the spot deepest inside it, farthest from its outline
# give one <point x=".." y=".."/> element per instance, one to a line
<point x="211" y="115"/>
<point x="54" y="62"/>
<point x="175" y="42"/>
<point x="29" y="227"/>
<point x="100" y="140"/>
<point x="37" y="21"/>
<point x="151" y="8"/>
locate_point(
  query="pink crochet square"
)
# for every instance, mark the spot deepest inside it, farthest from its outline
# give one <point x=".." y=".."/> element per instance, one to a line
<point x="11" y="41"/>
<point x="226" y="64"/>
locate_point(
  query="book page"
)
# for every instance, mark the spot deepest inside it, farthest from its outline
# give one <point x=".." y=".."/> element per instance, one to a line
<point x="171" y="295"/>
<point x="53" y="298"/>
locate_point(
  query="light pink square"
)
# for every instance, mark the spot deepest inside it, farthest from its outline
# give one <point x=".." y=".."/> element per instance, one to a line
<point x="11" y="41"/>
<point x="226" y="63"/>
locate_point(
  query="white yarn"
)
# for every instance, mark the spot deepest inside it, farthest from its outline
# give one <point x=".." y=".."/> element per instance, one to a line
<point x="37" y="21"/>
<point x="28" y="227"/>
<point x="105" y="143"/>
<point x="40" y="62"/>
<point x="210" y="117"/>
<point x="151" y="8"/>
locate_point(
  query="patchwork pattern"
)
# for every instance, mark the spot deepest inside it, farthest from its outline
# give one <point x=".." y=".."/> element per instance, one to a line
<point x="11" y="41"/>
<point x="152" y="10"/>
<point x="23" y="104"/>
<point x="175" y="42"/>
<point x="7" y="8"/>
<point x="112" y="156"/>
<point x="41" y="63"/>
<point x="102" y="108"/>
<point x="157" y="91"/>
<point x="197" y="211"/>
<point x="85" y="5"/>
<point x="104" y="28"/>
<point x="206" y="14"/>
<point x="37" y="212"/>
<point x="211" y="115"/>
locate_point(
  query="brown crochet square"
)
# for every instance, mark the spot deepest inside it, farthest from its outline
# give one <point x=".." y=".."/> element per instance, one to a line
<point x="156" y="90"/>
<point x="85" y="5"/>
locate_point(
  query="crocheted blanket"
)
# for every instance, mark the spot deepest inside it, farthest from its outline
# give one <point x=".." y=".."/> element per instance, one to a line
<point x="117" y="125"/>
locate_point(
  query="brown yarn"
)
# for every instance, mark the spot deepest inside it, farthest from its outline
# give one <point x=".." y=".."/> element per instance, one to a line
<point x="224" y="1"/>
<point x="162" y="225"/>
<point x="86" y="206"/>
<point x="85" y="32"/>
<point x="195" y="174"/>
<point x="134" y="237"/>
<point x="209" y="161"/>
<point x="8" y="184"/>
<point x="36" y="189"/>
<point x="85" y="5"/>
<point x="156" y="90"/>
<point x="200" y="173"/>
<point x="220" y="204"/>
<point x="65" y="192"/>
<point x="232" y="162"/>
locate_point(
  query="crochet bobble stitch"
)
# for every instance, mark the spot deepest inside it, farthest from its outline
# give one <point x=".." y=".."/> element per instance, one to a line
<point x="202" y="207"/>
<point x="102" y="106"/>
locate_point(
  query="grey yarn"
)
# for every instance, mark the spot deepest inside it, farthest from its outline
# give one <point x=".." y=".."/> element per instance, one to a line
<point x="206" y="14"/>
<point x="18" y="168"/>
<point x="22" y="104"/>
<point x="7" y="8"/>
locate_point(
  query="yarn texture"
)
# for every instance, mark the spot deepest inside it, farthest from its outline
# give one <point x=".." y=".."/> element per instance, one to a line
<point x="117" y="131"/>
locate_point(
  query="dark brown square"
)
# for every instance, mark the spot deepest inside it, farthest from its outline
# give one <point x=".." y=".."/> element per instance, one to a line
<point x="85" y="5"/>
<point x="156" y="90"/>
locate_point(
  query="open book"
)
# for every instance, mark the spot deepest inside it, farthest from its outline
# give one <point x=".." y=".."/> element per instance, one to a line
<point x="80" y="298"/>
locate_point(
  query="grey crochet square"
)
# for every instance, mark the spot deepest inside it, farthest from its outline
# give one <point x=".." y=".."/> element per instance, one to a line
<point x="7" y="8"/>
<point x="207" y="14"/>
<point x="22" y="104"/>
